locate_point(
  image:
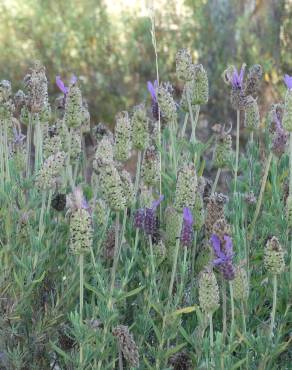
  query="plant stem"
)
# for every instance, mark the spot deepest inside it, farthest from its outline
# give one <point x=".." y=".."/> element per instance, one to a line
<point x="153" y="283"/>
<point x="41" y="221"/>
<point x="183" y="131"/>
<point x="232" y="311"/>
<point x="237" y="149"/>
<point x="260" y="198"/>
<point x="273" y="314"/>
<point x="6" y="151"/>
<point x="138" y="170"/>
<point x="174" y="265"/>
<point x="81" y="298"/>
<point x="216" y="180"/>
<point x="243" y="317"/>
<point x="116" y="257"/>
<point x="290" y="194"/>
<point x="211" y="340"/>
<point x="28" y="146"/>
<point x="224" y="309"/>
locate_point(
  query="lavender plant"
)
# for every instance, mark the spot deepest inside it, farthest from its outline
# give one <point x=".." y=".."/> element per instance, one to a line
<point x="155" y="254"/>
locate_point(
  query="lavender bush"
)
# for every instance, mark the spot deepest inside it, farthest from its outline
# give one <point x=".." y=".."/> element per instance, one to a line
<point x="106" y="268"/>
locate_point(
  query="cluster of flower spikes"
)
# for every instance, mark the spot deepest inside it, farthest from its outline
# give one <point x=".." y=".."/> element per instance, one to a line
<point x="146" y="219"/>
<point x="115" y="185"/>
<point x="208" y="291"/>
<point x="127" y="345"/>
<point x="186" y="187"/>
<point x="196" y="88"/>
<point x="81" y="232"/>
<point x="51" y="169"/>
<point x="214" y="211"/>
<point x="123" y="137"/>
<point x="223" y="149"/>
<point x="274" y="256"/>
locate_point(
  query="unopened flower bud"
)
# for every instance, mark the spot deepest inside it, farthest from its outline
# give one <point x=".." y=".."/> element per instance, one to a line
<point x="184" y="66"/>
<point x="251" y="114"/>
<point x="49" y="172"/>
<point x="127" y="345"/>
<point x="150" y="166"/>
<point x="140" y="128"/>
<point x="274" y="256"/>
<point x="240" y="284"/>
<point x="73" y="107"/>
<point x="81" y="232"/>
<point x="166" y="103"/>
<point x="186" y="187"/>
<point x="123" y="143"/>
<point x="208" y="292"/>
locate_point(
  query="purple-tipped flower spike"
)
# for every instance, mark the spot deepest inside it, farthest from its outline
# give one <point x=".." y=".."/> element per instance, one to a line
<point x="288" y="81"/>
<point x="187" y="228"/>
<point x="224" y="254"/>
<point x="237" y="78"/>
<point x="152" y="89"/>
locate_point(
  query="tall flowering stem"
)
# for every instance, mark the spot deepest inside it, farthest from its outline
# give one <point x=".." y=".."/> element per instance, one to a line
<point x="81" y="299"/>
<point x="115" y="263"/>
<point x="237" y="149"/>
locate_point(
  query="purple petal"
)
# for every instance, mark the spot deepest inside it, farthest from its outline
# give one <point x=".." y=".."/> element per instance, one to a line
<point x="218" y="261"/>
<point x="241" y="75"/>
<point x="156" y="202"/>
<point x="187" y="214"/>
<point x="152" y="90"/>
<point x="288" y="81"/>
<point x="73" y="80"/>
<point x="61" y="85"/>
<point x="84" y="203"/>
<point x="228" y="245"/>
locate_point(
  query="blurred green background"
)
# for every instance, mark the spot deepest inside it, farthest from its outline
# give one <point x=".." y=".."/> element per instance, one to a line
<point x="107" y="43"/>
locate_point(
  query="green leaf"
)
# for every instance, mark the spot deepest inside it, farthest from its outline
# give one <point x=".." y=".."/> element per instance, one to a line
<point x="131" y="293"/>
<point x="175" y="349"/>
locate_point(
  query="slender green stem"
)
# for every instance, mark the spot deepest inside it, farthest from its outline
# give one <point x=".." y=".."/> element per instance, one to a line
<point x="41" y="221"/>
<point x="123" y="229"/>
<point x="216" y="181"/>
<point x="237" y="149"/>
<point x="2" y="169"/>
<point x="194" y="251"/>
<point x="153" y="279"/>
<point x="81" y="298"/>
<point x="183" y="131"/>
<point x="232" y="312"/>
<point x="28" y="145"/>
<point x="290" y="194"/>
<point x="243" y="316"/>
<point x="224" y="309"/>
<point x="173" y="146"/>
<point x="174" y="265"/>
<point x="138" y="170"/>
<point x="260" y="198"/>
<point x="211" y="340"/>
<point x="6" y="151"/>
<point x="116" y="258"/>
<point x="193" y="121"/>
<point x="273" y="314"/>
